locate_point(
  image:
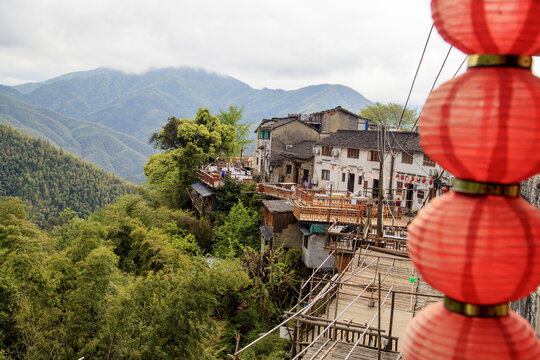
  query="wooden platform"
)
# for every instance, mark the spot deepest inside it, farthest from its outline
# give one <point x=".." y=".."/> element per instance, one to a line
<point x="329" y="349"/>
<point x="397" y="273"/>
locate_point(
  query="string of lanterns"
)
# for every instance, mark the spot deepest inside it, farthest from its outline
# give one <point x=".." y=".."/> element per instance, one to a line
<point x="480" y="244"/>
<point x="400" y="177"/>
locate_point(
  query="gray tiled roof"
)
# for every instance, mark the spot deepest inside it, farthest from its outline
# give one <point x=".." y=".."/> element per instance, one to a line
<point x="368" y="140"/>
<point x="271" y="124"/>
<point x="339" y="108"/>
<point x="301" y="151"/>
<point x="278" y="206"/>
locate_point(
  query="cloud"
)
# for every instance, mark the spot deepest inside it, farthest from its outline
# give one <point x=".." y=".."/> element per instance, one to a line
<point x="373" y="47"/>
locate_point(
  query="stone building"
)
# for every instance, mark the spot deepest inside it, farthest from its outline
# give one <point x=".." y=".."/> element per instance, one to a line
<point x="282" y="145"/>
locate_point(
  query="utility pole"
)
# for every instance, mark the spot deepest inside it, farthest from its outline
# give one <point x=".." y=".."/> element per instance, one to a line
<point x="390" y="184"/>
<point x="381" y="185"/>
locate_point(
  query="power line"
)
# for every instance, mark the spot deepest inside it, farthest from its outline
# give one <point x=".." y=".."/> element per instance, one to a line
<point x="415" y="75"/>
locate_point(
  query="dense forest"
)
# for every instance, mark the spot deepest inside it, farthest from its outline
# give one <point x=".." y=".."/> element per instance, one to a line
<point x="144" y="278"/>
<point x="50" y="180"/>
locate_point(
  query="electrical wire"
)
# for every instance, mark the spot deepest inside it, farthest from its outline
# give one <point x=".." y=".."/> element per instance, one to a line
<point x="415" y="75"/>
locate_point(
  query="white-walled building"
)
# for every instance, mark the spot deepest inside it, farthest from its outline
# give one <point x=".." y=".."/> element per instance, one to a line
<point x="349" y="161"/>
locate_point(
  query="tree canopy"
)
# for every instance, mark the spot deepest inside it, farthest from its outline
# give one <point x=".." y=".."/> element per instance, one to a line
<point x="389" y="115"/>
<point x="206" y="132"/>
<point x="233" y="117"/>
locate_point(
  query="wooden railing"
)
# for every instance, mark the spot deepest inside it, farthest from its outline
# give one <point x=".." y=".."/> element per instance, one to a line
<point x="212" y="180"/>
<point x="276" y="191"/>
<point x="215" y="179"/>
<point x="394" y="239"/>
<point x="320" y="212"/>
<point x="345" y="332"/>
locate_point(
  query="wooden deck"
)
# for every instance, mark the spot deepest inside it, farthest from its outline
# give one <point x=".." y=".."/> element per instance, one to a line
<point x="397" y="273"/>
<point x="355" y="315"/>
<point x="330" y="349"/>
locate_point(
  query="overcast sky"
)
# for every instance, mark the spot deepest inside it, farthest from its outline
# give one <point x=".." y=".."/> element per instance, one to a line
<point x="371" y="46"/>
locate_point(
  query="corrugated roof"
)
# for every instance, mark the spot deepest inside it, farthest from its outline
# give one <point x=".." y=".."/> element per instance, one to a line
<point x="202" y="189"/>
<point x="368" y="140"/>
<point x="266" y="232"/>
<point x="278" y="206"/>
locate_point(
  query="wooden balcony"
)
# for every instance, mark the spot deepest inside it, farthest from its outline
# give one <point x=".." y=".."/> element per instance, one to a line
<point x="281" y="190"/>
<point x="340" y="211"/>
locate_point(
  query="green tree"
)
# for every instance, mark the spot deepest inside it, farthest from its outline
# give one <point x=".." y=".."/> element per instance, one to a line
<point x="389" y="115"/>
<point x="233" y="117"/>
<point x="205" y="132"/>
<point x="238" y="233"/>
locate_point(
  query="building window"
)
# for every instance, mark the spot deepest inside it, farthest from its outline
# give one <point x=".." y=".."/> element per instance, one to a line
<point x="353" y="153"/>
<point x="306" y="241"/>
<point x="289" y="169"/>
<point x="373" y="156"/>
<point x="326" y="151"/>
<point x="406" y="158"/>
<point x="325" y="175"/>
<point x="428" y="161"/>
<point x="420" y="194"/>
<point x="257" y="160"/>
<point x="264" y="134"/>
<point x="360" y="179"/>
<point x="343" y="177"/>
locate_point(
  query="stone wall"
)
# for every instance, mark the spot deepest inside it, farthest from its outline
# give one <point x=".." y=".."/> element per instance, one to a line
<point x="528" y="307"/>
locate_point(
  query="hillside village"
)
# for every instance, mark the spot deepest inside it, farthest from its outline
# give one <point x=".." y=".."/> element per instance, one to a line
<point x="321" y="174"/>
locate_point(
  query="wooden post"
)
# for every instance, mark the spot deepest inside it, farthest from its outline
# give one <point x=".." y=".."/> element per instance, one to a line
<point x="391" y="318"/>
<point x="379" y="323"/>
<point x="296" y="336"/>
<point x="381" y="186"/>
<point x="391" y="182"/>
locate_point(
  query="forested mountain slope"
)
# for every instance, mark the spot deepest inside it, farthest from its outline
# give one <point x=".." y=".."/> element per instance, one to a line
<point x="111" y="150"/>
<point x="51" y="180"/>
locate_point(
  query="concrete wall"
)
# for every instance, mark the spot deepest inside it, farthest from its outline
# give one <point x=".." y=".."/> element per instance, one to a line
<point x="333" y="121"/>
<point x="314" y="254"/>
<point x="290" y="238"/>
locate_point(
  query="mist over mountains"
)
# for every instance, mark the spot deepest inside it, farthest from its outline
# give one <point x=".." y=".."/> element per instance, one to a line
<point x="107" y="116"/>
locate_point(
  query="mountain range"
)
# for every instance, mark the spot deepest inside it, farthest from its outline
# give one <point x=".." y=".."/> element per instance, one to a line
<point x="107" y="116"/>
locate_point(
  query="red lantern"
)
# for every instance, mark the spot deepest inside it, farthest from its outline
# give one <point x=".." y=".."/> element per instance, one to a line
<point x="333" y="168"/>
<point x="430" y="182"/>
<point x="402" y="177"/>
<point x="478" y="250"/>
<point x="483" y="125"/>
<point x="397" y="177"/>
<point x="437" y="333"/>
<point x="489" y="26"/>
<point x="407" y="178"/>
<point x="423" y="180"/>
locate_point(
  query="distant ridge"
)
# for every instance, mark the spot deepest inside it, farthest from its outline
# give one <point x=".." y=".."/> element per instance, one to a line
<point x="107" y="116"/>
<point x="139" y="105"/>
